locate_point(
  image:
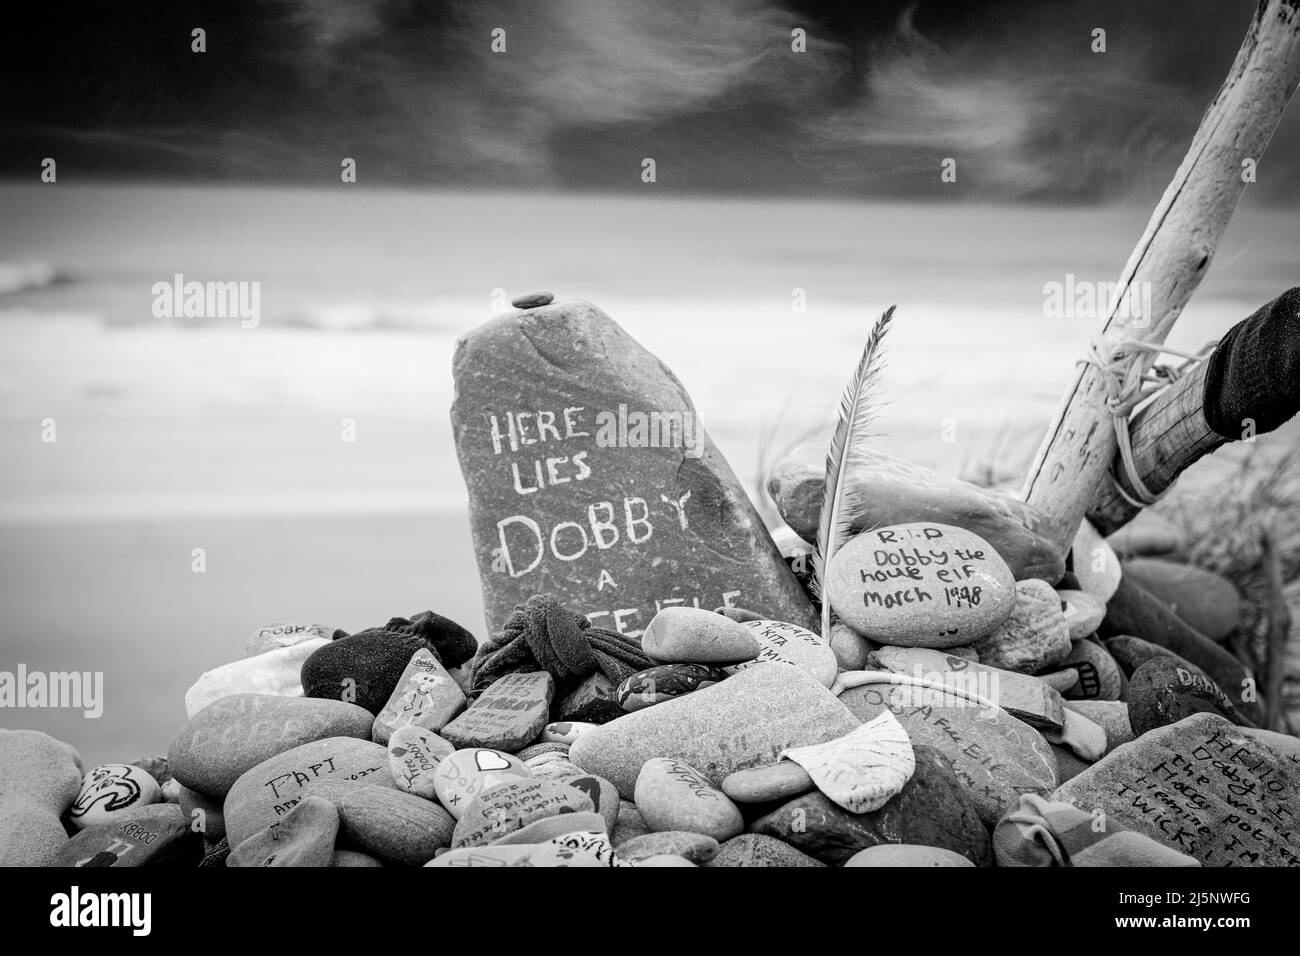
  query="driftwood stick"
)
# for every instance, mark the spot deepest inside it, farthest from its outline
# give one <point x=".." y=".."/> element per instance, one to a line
<point x="1249" y="386"/>
<point x="1170" y="259"/>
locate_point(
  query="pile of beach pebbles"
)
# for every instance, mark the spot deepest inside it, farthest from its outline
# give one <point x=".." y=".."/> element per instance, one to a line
<point x="962" y="715"/>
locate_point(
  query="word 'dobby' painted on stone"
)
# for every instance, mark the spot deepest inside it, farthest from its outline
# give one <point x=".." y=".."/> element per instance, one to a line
<point x="590" y="479"/>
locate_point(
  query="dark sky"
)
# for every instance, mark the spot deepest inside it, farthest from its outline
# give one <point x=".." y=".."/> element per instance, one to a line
<point x="587" y="88"/>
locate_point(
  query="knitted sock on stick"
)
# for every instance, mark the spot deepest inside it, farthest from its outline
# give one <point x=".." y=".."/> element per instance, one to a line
<point x="1254" y="372"/>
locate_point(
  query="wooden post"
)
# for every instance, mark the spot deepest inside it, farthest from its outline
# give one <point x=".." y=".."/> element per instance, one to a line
<point x="1171" y="259"/>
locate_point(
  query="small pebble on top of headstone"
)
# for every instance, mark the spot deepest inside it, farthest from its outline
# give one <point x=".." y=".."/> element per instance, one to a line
<point x="533" y="300"/>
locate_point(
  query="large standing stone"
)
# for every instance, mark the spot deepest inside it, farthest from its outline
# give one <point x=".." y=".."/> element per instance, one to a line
<point x="894" y="491"/>
<point x="1220" y="793"/>
<point x="995" y="757"/>
<point x="1163" y="692"/>
<point x="933" y="809"/>
<point x="591" y="479"/>
<point x="746" y="721"/>
<point x="920" y="585"/>
<point x="236" y="733"/>
<point x="507" y="716"/>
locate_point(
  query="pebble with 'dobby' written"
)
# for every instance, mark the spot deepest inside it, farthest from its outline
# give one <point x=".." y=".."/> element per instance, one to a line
<point x="920" y="585"/>
<point x="533" y="300"/>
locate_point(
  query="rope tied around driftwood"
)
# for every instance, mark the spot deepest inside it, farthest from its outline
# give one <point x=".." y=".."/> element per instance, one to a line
<point x="1128" y="383"/>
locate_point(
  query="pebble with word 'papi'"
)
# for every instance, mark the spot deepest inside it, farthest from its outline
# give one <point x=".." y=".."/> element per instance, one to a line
<point x="426" y="695"/>
<point x="110" y="790"/>
<point x="1035" y="636"/>
<point x="674" y="796"/>
<point x="302" y="837"/>
<point x="234" y="734"/>
<point x="920" y="585"/>
<point x="413" y="757"/>
<point x="507" y="716"/>
<point x="501" y="810"/>
<point x="995" y="756"/>
<point x="394" y="826"/>
<point x="1162" y="692"/>
<point x="784" y="643"/>
<point x="39" y="780"/>
<point x="268" y="791"/>
<point x="746" y="721"/>
<point x="692" y="635"/>
<point x="654" y="685"/>
<point x="156" y="835"/>
<point x="1217" y="792"/>
<point x="466" y="773"/>
<point x="933" y="809"/>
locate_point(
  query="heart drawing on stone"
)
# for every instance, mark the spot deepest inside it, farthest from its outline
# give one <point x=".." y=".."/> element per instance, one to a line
<point x="490" y="760"/>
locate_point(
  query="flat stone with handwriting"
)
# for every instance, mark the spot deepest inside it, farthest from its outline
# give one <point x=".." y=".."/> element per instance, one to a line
<point x="591" y="478"/>
<point x="933" y="809"/>
<point x="268" y="791"/>
<point x="413" y="757"/>
<point x="466" y="773"/>
<point x="1205" y="787"/>
<point x="1099" y="675"/>
<point x="507" y="716"/>
<point x="1162" y="691"/>
<point x="501" y="810"/>
<point x="784" y="643"/>
<point x="268" y="637"/>
<point x="426" y="696"/>
<point x="302" y="837"/>
<point x="111" y="790"/>
<point x="236" y="733"/>
<point x="654" y="685"/>
<point x="746" y="721"/>
<point x="154" y="835"/>
<point x="674" y="796"/>
<point x="994" y="756"/>
<point x="920" y="585"/>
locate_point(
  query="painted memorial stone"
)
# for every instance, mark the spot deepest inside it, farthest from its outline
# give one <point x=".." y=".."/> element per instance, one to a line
<point x="895" y="491"/>
<point x="236" y="733"/>
<point x="591" y="479"/>
<point x="1035" y="636"/>
<point x="995" y="757"/>
<point x="746" y="721"/>
<point x="1220" y="793"/>
<point x="571" y="849"/>
<point x="268" y="791"/>
<point x="1099" y="675"/>
<point x="1083" y="613"/>
<point x="413" y="757"/>
<point x="302" y="837"/>
<point x="394" y="826"/>
<point x="1162" y="691"/>
<point x="654" y="685"/>
<point x="154" y="835"/>
<point x="933" y="809"/>
<point x="548" y="828"/>
<point x="1021" y="695"/>
<point x="286" y="634"/>
<point x="501" y="810"/>
<point x="466" y="773"/>
<point x="564" y="731"/>
<point x="691" y="635"/>
<point x="111" y="790"/>
<point x="672" y="795"/>
<point x="920" y="585"/>
<point x="784" y="643"/>
<point x="425" y="696"/>
<point x="507" y="716"/>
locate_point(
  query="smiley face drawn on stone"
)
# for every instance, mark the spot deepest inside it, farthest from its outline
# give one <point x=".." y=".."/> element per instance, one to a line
<point x="111" y="786"/>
